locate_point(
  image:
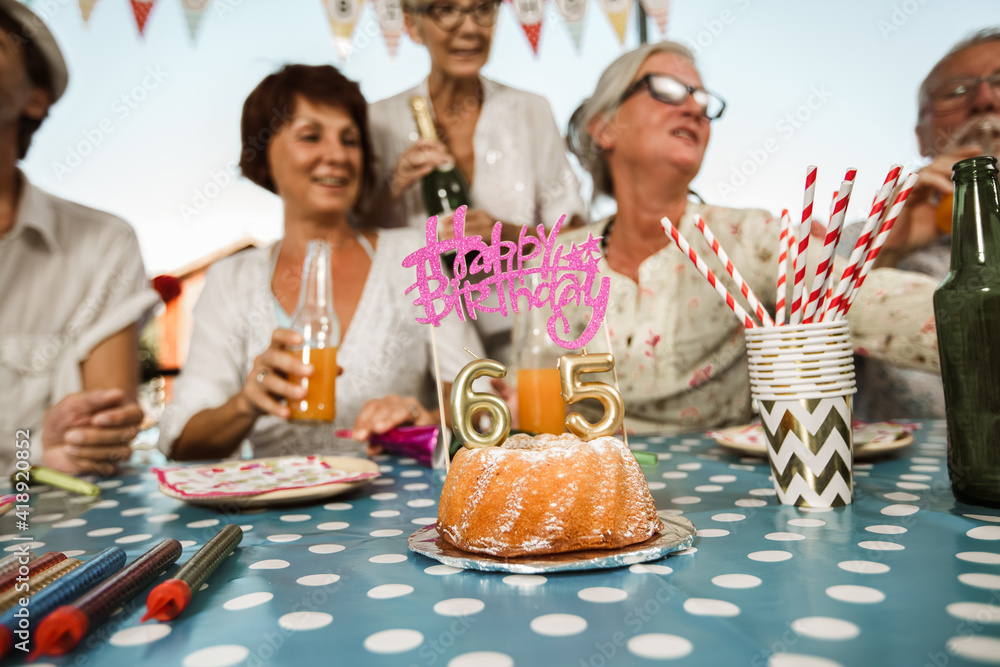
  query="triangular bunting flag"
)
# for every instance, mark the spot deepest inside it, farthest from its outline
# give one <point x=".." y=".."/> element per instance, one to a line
<point x="193" y="13"/>
<point x="390" y="20"/>
<point x="529" y="14"/>
<point x="86" y="7"/>
<point x="573" y="13"/>
<point x="617" y="11"/>
<point x="343" y="15"/>
<point x="141" y="9"/>
<point x="658" y="9"/>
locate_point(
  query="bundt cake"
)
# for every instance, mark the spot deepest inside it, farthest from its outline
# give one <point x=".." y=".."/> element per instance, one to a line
<point x="546" y="494"/>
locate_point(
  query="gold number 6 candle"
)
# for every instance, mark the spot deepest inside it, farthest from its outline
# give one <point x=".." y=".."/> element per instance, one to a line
<point x="465" y="403"/>
<point x="571" y="366"/>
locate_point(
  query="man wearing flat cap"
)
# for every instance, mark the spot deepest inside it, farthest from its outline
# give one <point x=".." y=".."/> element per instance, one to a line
<point x="74" y="288"/>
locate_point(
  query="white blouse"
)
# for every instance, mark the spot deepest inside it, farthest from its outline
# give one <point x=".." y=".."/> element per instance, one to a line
<point x="522" y="174"/>
<point x="384" y="350"/>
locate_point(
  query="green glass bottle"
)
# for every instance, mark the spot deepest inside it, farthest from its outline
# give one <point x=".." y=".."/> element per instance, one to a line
<point x="967" y="312"/>
<point x="444" y="189"/>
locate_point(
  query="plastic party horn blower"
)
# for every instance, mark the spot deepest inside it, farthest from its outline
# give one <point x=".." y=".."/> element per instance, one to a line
<point x="69" y="587"/>
<point x="167" y="600"/>
<point x="62" y="630"/>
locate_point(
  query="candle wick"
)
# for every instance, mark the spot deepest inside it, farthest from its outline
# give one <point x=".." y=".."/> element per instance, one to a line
<point x="471" y="352"/>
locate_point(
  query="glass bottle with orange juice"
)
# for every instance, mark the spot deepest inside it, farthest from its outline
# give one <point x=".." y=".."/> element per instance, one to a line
<point x="539" y="390"/>
<point x="315" y="320"/>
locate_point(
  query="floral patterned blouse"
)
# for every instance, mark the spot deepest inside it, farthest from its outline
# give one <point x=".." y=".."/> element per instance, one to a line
<point x="679" y="351"/>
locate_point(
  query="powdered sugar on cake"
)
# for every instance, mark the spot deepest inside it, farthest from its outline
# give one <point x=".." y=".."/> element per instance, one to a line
<point x="546" y="494"/>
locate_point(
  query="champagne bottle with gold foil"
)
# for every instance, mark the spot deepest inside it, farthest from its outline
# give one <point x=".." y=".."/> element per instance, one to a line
<point x="967" y="312"/>
<point x="444" y="189"/>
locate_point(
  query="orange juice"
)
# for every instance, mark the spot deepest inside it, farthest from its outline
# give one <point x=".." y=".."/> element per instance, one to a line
<point x="539" y="399"/>
<point x="319" y="403"/>
<point x="943" y="216"/>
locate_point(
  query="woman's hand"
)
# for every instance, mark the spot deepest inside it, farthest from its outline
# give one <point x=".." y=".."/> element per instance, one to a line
<point x="508" y="393"/>
<point x="477" y="223"/>
<point x="267" y="384"/>
<point x="90" y="432"/>
<point x="383" y="414"/>
<point x="420" y="159"/>
<point x="916" y="226"/>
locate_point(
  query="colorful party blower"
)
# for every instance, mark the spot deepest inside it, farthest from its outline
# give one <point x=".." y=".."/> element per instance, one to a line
<point x="32" y="568"/>
<point x="167" y="600"/>
<point x="62" y="630"/>
<point x="19" y="619"/>
<point x="37" y="582"/>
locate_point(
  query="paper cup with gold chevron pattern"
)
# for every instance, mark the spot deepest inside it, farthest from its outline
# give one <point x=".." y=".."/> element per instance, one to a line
<point x="805" y="409"/>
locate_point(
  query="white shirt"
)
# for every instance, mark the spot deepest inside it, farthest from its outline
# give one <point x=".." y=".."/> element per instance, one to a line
<point x="70" y="276"/>
<point x="383" y="351"/>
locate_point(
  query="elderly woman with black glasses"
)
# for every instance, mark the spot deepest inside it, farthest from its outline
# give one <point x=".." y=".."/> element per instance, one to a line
<point x="679" y="351"/>
<point x="503" y="140"/>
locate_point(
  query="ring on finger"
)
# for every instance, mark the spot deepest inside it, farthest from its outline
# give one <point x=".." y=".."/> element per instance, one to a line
<point x="261" y="376"/>
<point x="414" y="410"/>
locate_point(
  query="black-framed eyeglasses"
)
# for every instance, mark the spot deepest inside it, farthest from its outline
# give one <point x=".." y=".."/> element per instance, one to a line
<point x="665" y="88"/>
<point x="955" y="93"/>
<point x="448" y="15"/>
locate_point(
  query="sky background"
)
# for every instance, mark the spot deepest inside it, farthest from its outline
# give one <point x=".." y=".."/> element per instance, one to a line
<point x="149" y="124"/>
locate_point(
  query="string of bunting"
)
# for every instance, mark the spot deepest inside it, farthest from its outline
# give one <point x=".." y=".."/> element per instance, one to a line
<point x="343" y="16"/>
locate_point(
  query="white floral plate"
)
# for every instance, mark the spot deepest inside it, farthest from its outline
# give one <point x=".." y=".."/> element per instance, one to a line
<point x="871" y="439"/>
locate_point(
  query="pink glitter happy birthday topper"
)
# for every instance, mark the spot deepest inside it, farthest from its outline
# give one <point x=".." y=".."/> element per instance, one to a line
<point x="506" y="262"/>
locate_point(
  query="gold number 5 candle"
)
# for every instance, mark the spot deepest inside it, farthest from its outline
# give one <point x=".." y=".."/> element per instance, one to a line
<point x="571" y="366"/>
<point x="465" y="403"/>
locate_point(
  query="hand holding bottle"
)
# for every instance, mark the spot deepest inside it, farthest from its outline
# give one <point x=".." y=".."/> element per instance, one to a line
<point x="267" y="386"/>
<point x="917" y="224"/>
<point x="477" y="223"/>
<point x="420" y="159"/>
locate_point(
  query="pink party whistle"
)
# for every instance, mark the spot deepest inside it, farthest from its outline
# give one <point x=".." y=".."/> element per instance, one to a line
<point x="414" y="441"/>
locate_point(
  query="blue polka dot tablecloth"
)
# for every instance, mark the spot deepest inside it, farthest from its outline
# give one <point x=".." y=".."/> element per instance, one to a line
<point x="904" y="576"/>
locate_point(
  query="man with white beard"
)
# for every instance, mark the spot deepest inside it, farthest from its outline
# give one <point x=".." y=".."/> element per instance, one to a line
<point x="959" y="117"/>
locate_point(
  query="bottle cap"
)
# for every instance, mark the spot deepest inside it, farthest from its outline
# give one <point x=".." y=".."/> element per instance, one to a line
<point x="167" y="600"/>
<point x="60" y="631"/>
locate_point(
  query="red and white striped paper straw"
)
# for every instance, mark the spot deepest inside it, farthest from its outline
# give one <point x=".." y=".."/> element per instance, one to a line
<point x="762" y="315"/>
<point x="876" y="245"/>
<point x="825" y="266"/>
<point x="860" y="248"/>
<point x="785" y="240"/>
<point x="685" y="247"/>
<point x="802" y="246"/>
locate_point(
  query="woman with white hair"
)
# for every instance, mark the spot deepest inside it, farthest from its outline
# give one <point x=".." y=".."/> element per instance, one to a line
<point x="680" y="352"/>
<point x="503" y="140"/>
